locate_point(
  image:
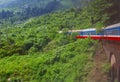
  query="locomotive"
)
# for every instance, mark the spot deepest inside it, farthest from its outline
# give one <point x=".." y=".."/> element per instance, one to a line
<point x="111" y="32"/>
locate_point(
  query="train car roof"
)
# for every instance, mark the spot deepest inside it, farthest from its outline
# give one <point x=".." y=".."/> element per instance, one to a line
<point x="113" y="26"/>
<point x="74" y="30"/>
<point x="90" y="29"/>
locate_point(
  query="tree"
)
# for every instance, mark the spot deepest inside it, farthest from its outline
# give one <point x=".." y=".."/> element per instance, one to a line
<point x="114" y="11"/>
<point x="105" y="10"/>
<point x="98" y="11"/>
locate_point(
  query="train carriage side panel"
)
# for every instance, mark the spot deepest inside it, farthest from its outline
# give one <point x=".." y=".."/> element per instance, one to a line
<point x="112" y="33"/>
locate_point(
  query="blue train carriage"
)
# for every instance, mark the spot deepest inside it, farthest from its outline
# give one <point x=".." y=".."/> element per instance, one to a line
<point x="88" y="32"/>
<point x="112" y="33"/>
<point x="73" y="32"/>
<point x="113" y="30"/>
<point x="92" y="33"/>
<point x="108" y="33"/>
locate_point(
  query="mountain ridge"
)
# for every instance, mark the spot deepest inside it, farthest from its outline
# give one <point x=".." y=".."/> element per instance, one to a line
<point x="18" y="4"/>
<point x="23" y="3"/>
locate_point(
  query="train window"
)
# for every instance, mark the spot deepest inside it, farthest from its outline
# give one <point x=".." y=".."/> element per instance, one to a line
<point x="112" y="32"/>
<point x="89" y="33"/>
<point x="92" y="33"/>
<point x="81" y="33"/>
<point x="107" y="32"/>
<point x="115" y="32"/>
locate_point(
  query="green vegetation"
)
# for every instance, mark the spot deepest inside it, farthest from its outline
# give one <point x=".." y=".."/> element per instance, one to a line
<point x="35" y="52"/>
<point x="106" y="67"/>
<point x="18" y="4"/>
<point x="18" y="11"/>
<point x="68" y="63"/>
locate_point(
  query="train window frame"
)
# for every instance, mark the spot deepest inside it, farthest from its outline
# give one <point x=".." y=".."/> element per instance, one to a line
<point x="115" y="32"/>
<point x="112" y="32"/>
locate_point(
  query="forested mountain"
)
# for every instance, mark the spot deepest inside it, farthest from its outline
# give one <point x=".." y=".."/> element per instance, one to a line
<point x="106" y="10"/>
<point x="18" y="4"/>
<point x="17" y="11"/>
<point x="35" y="51"/>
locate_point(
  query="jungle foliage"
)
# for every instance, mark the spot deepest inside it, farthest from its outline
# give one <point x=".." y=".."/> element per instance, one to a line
<point x="35" y="51"/>
<point x="68" y="63"/>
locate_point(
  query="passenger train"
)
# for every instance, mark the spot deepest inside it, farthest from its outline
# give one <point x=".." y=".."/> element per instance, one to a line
<point x="108" y="33"/>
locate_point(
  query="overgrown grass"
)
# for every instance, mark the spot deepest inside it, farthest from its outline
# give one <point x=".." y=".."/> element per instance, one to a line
<point x="35" y="34"/>
<point x="69" y="63"/>
<point x="36" y="52"/>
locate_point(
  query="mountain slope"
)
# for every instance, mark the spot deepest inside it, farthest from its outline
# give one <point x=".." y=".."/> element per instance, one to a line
<point x="18" y="4"/>
<point x="36" y="52"/>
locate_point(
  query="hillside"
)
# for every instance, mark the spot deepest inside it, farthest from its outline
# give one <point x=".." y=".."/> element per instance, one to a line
<point x="35" y="51"/>
<point x="19" y="4"/>
<point x="18" y="11"/>
<point x="38" y="32"/>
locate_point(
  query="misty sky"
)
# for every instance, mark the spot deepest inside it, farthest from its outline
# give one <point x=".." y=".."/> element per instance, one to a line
<point x="4" y="1"/>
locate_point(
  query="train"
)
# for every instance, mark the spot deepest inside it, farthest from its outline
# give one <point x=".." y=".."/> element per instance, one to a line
<point x="111" y="32"/>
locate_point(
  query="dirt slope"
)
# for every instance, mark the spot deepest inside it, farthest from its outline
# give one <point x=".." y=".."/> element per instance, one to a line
<point x="97" y="74"/>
